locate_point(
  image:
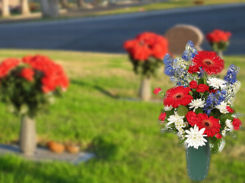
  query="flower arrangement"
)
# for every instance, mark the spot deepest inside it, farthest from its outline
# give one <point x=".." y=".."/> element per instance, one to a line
<point x="199" y="108"/>
<point x="146" y="52"/>
<point x="27" y="85"/>
<point x="200" y="101"/>
<point x="219" y="40"/>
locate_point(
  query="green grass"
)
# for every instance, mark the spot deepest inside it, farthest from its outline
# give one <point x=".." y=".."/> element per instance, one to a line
<point x="165" y="5"/>
<point x="125" y="134"/>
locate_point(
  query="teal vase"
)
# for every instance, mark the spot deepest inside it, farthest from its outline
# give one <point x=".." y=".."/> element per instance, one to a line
<point x="198" y="162"/>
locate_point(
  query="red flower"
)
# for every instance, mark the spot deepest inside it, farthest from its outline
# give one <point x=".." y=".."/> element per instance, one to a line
<point x="27" y="73"/>
<point x="209" y="61"/>
<point x="236" y="123"/>
<point x="193" y="69"/>
<point x="146" y="45"/>
<point x="177" y="96"/>
<point x="193" y="84"/>
<point x="53" y="75"/>
<point x="192" y="118"/>
<point x="162" y="116"/>
<point x="7" y="65"/>
<point x="157" y="90"/>
<point x="202" y="88"/>
<point x="218" y="36"/>
<point x="218" y="136"/>
<point x="211" y="124"/>
<point x="212" y="91"/>
<point x="229" y="109"/>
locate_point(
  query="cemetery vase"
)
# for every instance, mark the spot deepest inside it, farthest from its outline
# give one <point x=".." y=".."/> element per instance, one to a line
<point x="145" y="89"/>
<point x="220" y="53"/>
<point x="28" y="135"/>
<point x="198" y="162"/>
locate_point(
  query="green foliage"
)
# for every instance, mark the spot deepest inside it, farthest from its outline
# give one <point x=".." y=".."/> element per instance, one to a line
<point x="146" y="68"/>
<point x="22" y="96"/>
<point x="182" y="110"/>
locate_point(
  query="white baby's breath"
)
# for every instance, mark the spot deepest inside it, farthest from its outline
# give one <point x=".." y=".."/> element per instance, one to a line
<point x="177" y="120"/>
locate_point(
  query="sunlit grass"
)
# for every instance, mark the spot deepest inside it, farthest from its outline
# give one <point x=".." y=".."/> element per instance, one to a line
<point x="125" y="133"/>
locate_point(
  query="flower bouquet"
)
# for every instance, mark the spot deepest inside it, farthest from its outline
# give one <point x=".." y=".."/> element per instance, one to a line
<point x="219" y="40"/>
<point x="146" y="52"/>
<point x="27" y="85"/>
<point x="199" y="108"/>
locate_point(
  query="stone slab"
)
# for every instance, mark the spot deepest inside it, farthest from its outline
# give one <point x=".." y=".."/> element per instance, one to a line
<point x="44" y="155"/>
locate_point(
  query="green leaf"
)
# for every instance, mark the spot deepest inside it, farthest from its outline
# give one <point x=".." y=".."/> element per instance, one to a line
<point x="182" y="110"/>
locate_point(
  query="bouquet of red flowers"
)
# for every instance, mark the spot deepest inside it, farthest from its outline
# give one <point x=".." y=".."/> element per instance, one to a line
<point x="146" y="52"/>
<point x="219" y="40"/>
<point x="29" y="83"/>
<point x="199" y="109"/>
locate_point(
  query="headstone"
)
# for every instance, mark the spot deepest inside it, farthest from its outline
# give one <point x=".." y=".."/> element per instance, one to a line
<point x="179" y="35"/>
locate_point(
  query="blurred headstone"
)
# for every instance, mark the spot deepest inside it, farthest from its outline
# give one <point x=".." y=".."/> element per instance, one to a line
<point x="179" y="35"/>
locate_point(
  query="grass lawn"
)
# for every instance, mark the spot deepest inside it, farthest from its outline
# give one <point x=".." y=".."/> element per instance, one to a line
<point x="125" y="134"/>
<point x="166" y="5"/>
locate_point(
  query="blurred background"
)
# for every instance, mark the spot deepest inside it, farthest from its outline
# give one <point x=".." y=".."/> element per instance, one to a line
<point x="100" y="112"/>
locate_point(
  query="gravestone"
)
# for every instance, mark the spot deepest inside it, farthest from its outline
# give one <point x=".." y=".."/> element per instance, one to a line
<point x="179" y="35"/>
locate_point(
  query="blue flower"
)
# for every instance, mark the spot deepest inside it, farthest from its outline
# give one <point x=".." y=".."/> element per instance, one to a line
<point x="231" y="75"/>
<point x="169" y="70"/>
<point x="190" y="51"/>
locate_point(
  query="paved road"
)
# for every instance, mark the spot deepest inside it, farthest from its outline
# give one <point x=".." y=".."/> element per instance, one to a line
<point x="106" y="34"/>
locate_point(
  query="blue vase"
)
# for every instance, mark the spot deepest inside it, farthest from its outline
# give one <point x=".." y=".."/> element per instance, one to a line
<point x="198" y="162"/>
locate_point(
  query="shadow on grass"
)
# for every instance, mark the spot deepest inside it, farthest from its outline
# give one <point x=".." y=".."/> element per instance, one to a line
<point x="103" y="148"/>
<point x="96" y="87"/>
<point x="19" y="170"/>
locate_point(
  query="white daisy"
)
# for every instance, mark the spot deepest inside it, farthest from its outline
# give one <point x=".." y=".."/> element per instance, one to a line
<point x="177" y="120"/>
<point x="216" y="83"/>
<point x="197" y="103"/>
<point x="222" y="108"/>
<point x="195" y="137"/>
<point x="168" y="108"/>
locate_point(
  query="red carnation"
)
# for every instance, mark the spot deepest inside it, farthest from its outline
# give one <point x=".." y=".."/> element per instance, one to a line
<point x="7" y="65"/>
<point x="157" y="90"/>
<point x="193" y="84"/>
<point x="53" y="75"/>
<point x="147" y="45"/>
<point x="177" y="96"/>
<point x="192" y="118"/>
<point x="229" y="109"/>
<point x="27" y="73"/>
<point x="162" y="116"/>
<point x="193" y="69"/>
<point x="211" y="124"/>
<point x="218" y="136"/>
<point x="209" y="61"/>
<point x="202" y="88"/>
<point x="236" y="123"/>
<point x="218" y="36"/>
